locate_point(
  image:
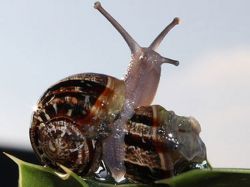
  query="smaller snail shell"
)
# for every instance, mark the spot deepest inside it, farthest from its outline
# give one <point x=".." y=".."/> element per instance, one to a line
<point x="71" y="116"/>
<point x="160" y="144"/>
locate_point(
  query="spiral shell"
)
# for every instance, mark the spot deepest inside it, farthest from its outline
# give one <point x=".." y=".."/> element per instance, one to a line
<point x="71" y="116"/>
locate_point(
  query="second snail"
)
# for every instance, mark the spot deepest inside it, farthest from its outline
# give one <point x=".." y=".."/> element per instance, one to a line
<point x="103" y="127"/>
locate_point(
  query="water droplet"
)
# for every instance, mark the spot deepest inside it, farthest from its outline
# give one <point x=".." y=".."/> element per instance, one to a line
<point x="102" y="173"/>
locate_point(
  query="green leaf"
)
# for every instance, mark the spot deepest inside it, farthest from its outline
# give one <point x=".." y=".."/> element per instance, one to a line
<point x="34" y="175"/>
<point x="211" y="178"/>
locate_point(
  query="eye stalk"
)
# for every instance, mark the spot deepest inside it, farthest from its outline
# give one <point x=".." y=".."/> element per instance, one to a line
<point x="132" y="44"/>
<point x="169" y="61"/>
<point x="155" y="44"/>
<point x="130" y="41"/>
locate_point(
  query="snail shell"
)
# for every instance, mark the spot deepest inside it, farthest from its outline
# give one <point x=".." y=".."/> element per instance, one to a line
<point x="160" y="144"/>
<point x="72" y="120"/>
<point x="71" y="115"/>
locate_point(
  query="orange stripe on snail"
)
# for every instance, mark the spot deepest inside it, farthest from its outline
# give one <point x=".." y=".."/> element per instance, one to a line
<point x="99" y="109"/>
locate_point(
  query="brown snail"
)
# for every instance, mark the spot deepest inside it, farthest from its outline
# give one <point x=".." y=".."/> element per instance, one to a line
<point x="89" y="121"/>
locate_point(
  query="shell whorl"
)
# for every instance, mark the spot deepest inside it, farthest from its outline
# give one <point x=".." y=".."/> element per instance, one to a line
<point x="60" y="141"/>
<point x="71" y="116"/>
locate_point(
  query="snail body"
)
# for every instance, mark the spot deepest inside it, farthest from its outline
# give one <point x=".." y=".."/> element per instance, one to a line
<point x="141" y="83"/>
<point x="89" y="120"/>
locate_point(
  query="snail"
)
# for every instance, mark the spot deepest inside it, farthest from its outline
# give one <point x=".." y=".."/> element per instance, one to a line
<point x="91" y="122"/>
<point x="141" y="82"/>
